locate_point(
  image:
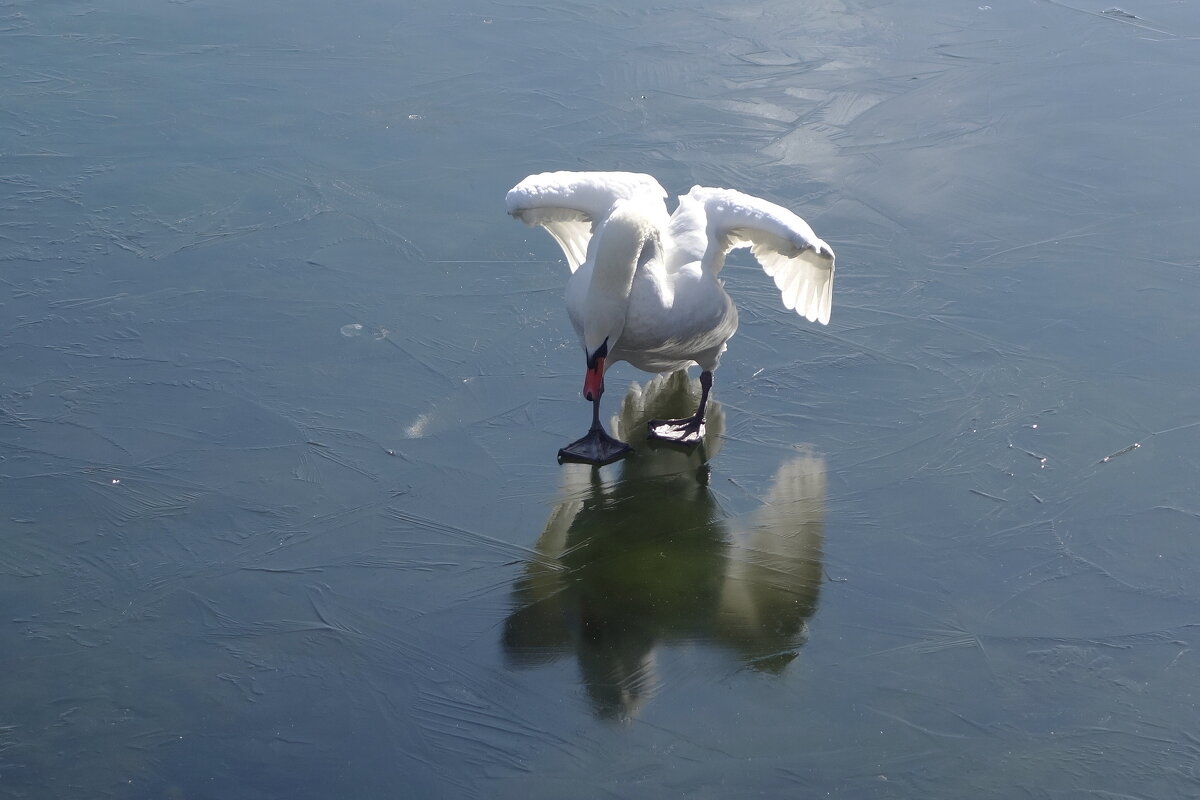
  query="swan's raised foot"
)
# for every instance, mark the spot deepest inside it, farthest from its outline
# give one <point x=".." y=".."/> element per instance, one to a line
<point x="688" y="432"/>
<point x="597" y="447"/>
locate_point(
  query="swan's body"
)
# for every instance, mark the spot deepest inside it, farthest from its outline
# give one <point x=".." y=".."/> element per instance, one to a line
<point x="644" y="286"/>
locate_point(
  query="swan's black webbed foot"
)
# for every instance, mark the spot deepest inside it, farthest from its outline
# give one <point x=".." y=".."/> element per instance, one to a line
<point x="688" y="432"/>
<point x="597" y="447"/>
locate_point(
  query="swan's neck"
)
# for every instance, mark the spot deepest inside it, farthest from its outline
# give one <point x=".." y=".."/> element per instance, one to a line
<point x="624" y="241"/>
<point x="622" y="244"/>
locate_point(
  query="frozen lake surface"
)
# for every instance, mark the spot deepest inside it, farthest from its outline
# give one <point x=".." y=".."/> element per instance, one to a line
<point x="281" y="388"/>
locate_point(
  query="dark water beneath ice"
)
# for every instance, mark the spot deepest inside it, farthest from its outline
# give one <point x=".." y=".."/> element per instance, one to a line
<point x="281" y="388"/>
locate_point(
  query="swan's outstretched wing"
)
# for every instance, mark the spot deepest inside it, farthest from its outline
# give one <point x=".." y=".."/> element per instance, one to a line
<point x="569" y="205"/>
<point x="784" y="244"/>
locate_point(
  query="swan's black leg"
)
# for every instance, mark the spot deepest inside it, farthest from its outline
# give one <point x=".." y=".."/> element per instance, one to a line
<point x="689" y="431"/>
<point x="596" y="447"/>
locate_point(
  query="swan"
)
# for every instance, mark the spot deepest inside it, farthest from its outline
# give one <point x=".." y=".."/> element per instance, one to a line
<point x="644" y="284"/>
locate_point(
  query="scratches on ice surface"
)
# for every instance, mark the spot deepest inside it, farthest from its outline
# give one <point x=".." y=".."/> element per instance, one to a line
<point x="1137" y="445"/>
<point x="479" y="400"/>
<point x="1116" y="15"/>
<point x="1120" y="452"/>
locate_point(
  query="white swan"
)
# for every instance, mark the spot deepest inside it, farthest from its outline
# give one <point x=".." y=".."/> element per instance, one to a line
<point x="644" y="286"/>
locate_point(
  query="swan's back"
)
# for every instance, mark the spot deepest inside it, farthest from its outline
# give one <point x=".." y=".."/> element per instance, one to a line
<point x="687" y="234"/>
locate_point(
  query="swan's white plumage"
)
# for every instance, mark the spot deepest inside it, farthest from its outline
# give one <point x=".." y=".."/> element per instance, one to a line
<point x="674" y="311"/>
<point x="783" y="243"/>
<point x="569" y="205"/>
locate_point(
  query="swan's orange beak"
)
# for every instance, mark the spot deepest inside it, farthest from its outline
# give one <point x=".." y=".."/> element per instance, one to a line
<point x="593" y="380"/>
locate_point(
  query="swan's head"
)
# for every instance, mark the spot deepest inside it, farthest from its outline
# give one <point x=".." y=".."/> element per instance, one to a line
<point x="593" y="379"/>
<point x="625" y="241"/>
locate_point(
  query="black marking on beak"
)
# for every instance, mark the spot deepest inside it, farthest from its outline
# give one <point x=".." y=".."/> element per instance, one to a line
<point x="601" y="352"/>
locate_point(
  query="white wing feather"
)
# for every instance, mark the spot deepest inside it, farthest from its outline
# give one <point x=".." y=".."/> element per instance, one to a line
<point x="569" y="205"/>
<point x="784" y="244"/>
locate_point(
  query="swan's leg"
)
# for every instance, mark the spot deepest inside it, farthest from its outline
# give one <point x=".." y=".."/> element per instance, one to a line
<point x="596" y="447"/>
<point x="689" y="431"/>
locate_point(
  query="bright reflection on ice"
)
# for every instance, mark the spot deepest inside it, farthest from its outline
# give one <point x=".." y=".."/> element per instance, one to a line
<point x="629" y="565"/>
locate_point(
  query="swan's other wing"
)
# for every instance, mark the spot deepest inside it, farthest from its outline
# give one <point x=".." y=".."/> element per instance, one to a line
<point x="569" y="205"/>
<point x="784" y="244"/>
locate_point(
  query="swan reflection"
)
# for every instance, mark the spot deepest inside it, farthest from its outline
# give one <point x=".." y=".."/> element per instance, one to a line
<point x="651" y="557"/>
